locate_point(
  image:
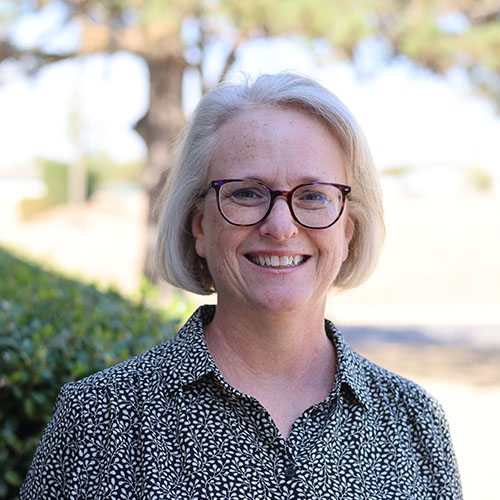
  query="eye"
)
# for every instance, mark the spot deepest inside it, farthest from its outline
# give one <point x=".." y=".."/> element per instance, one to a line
<point x="311" y="199"/>
<point x="313" y="196"/>
<point x="246" y="193"/>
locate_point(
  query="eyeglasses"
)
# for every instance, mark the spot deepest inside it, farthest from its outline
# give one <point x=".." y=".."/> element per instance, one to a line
<point x="246" y="202"/>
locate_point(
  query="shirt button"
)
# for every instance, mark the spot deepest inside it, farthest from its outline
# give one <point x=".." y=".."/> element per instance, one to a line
<point x="289" y="472"/>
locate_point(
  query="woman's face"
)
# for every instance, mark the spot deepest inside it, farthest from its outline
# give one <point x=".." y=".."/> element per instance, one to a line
<point x="282" y="147"/>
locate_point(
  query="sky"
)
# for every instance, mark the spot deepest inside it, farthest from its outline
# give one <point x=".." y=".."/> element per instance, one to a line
<point x="409" y="115"/>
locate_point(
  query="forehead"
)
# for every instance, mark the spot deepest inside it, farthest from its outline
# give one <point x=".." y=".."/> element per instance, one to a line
<point x="273" y="141"/>
<point x="268" y="123"/>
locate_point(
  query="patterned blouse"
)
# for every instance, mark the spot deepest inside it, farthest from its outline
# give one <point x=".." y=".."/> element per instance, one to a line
<point x="166" y="425"/>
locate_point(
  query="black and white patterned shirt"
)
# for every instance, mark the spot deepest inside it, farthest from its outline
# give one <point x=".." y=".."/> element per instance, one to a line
<point x="166" y="425"/>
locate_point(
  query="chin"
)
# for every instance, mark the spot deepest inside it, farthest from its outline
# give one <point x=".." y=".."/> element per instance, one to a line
<point x="284" y="303"/>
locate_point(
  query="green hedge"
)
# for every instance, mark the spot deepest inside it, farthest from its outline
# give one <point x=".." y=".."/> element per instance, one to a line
<point x="55" y="175"/>
<point x="54" y="330"/>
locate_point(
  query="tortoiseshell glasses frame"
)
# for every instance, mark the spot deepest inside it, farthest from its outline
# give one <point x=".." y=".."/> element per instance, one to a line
<point x="256" y="200"/>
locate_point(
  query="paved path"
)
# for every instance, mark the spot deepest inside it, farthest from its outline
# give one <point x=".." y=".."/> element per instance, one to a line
<point x="474" y="336"/>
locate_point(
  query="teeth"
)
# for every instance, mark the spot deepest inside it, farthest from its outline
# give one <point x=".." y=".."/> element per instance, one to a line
<point x="277" y="261"/>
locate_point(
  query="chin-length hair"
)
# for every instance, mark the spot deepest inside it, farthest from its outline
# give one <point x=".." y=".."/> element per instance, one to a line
<point x="177" y="259"/>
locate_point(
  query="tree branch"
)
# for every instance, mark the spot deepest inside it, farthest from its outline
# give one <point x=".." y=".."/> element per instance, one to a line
<point x="482" y="12"/>
<point x="33" y="58"/>
<point x="230" y="60"/>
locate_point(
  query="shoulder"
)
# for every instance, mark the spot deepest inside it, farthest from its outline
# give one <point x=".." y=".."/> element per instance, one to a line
<point x="129" y="374"/>
<point x="388" y="388"/>
<point x="110" y="398"/>
<point x="418" y="415"/>
<point x="391" y="385"/>
<point x="408" y="419"/>
<point x="375" y="386"/>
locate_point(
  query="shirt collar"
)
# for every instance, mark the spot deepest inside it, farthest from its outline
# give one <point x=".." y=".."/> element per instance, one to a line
<point x="350" y="371"/>
<point x="187" y="358"/>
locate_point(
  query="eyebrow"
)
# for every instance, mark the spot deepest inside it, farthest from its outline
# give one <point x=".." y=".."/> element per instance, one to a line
<point x="314" y="179"/>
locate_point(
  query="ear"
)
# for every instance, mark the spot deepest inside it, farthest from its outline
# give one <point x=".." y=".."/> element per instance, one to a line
<point x="198" y="233"/>
<point x="349" y="226"/>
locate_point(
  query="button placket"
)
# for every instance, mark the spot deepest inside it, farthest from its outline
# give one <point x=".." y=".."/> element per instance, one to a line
<point x="289" y="472"/>
<point x="290" y="469"/>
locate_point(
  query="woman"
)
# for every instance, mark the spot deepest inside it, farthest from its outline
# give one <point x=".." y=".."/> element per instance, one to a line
<point x="273" y="200"/>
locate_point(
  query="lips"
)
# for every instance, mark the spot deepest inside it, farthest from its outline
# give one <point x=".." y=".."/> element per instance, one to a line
<point x="277" y="261"/>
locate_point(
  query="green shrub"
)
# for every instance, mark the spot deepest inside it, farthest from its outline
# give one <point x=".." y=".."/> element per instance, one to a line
<point x="111" y="172"/>
<point x="54" y="330"/>
<point x="55" y="174"/>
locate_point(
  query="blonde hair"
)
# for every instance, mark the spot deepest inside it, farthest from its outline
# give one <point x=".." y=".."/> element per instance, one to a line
<point x="178" y="262"/>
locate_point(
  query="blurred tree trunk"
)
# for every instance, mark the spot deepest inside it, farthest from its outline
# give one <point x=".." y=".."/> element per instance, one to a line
<point x="159" y="128"/>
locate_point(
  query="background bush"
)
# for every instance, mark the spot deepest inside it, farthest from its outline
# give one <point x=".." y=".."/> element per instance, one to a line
<point x="54" y="330"/>
<point x="55" y="175"/>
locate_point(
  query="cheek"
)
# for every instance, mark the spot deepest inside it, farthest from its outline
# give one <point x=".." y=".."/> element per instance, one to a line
<point x="213" y="242"/>
<point x="335" y="249"/>
<point x="223" y="245"/>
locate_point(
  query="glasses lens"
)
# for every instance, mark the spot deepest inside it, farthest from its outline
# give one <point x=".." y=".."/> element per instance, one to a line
<point x="317" y="205"/>
<point x="244" y="202"/>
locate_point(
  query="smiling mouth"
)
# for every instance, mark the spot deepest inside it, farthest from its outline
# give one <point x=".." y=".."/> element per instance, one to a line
<point x="275" y="261"/>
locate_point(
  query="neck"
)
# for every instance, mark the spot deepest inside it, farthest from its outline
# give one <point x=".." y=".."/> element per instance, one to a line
<point x="266" y="344"/>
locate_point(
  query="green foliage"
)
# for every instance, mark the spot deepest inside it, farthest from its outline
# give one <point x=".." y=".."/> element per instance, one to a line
<point x="418" y="36"/>
<point x="55" y="175"/>
<point x="93" y="182"/>
<point x="483" y="42"/>
<point x="54" y="330"/>
<point x="109" y="171"/>
<point x="152" y="29"/>
<point x="343" y="23"/>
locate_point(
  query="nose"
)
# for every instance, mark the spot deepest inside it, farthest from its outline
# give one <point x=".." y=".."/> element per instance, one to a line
<point x="279" y="224"/>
